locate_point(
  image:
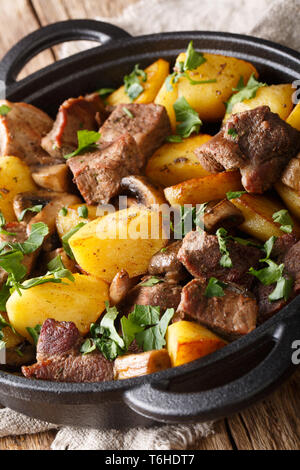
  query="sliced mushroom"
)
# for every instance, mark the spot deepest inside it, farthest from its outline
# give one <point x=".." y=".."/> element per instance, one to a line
<point x="291" y="175"/>
<point x="223" y="214"/>
<point x="19" y="356"/>
<point x="23" y="201"/>
<point x="120" y="286"/>
<point x="165" y="263"/>
<point x="56" y="177"/>
<point x="145" y="192"/>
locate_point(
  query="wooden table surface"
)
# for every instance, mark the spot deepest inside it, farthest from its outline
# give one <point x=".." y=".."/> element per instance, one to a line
<point x="271" y="424"/>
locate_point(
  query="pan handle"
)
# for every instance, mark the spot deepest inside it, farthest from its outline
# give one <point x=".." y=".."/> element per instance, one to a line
<point x="38" y="41"/>
<point x="156" y="402"/>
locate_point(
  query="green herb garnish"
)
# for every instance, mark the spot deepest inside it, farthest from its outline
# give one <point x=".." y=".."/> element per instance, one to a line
<point x="104" y="92"/>
<point x="244" y="92"/>
<point x="225" y="260"/>
<point x="283" y="217"/>
<point x="36" y="209"/>
<point x="187" y="117"/>
<point x="233" y="133"/>
<point x="4" y="110"/>
<point x="64" y="211"/>
<point x="65" y="239"/>
<point x="132" y="82"/>
<point x="215" y="288"/>
<point x="86" y="140"/>
<point x="34" y="333"/>
<point x="83" y="212"/>
<point x="151" y="282"/>
<point x="235" y="194"/>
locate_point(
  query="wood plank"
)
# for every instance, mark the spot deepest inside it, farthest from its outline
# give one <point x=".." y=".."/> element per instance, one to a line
<point x="18" y="20"/>
<point x="217" y="441"/>
<point x="40" y="441"/>
<point x="73" y="9"/>
<point x="273" y="424"/>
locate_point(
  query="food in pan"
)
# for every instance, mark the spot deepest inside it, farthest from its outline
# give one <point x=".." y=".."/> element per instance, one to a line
<point x="132" y="241"/>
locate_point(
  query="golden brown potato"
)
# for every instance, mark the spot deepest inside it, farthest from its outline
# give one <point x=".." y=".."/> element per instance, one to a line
<point x="187" y="341"/>
<point x="173" y="163"/>
<point x="258" y="212"/>
<point x="290" y="197"/>
<point x="65" y="223"/>
<point x="15" y="178"/>
<point x="277" y="97"/>
<point x="135" y="365"/>
<point x="208" y="188"/>
<point x="81" y="302"/>
<point x="55" y="178"/>
<point x="126" y="239"/>
<point x="207" y="99"/>
<point x="294" y="118"/>
<point x="156" y="75"/>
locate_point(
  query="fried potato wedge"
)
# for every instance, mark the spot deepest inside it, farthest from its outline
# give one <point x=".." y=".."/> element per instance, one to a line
<point x="294" y="118"/>
<point x="65" y="223"/>
<point x="277" y="97"/>
<point x="208" y="188"/>
<point x="135" y="365"/>
<point x="258" y="212"/>
<point x="173" y="163"/>
<point x="156" y="75"/>
<point x="207" y="99"/>
<point x="15" y="178"/>
<point x="81" y="302"/>
<point x="188" y="341"/>
<point x="126" y="239"/>
<point x="290" y="197"/>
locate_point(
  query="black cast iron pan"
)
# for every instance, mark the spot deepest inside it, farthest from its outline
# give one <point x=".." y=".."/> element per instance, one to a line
<point x="206" y="389"/>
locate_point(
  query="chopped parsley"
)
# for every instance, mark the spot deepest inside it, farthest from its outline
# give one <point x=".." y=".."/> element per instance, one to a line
<point x="65" y="239"/>
<point x="233" y="133"/>
<point x="36" y="209"/>
<point x="193" y="60"/>
<point x="143" y="325"/>
<point x="234" y="194"/>
<point x="244" y="92"/>
<point x="4" y="110"/>
<point x="283" y="217"/>
<point x="225" y="260"/>
<point x="187" y="117"/>
<point x="83" y="212"/>
<point x="86" y="140"/>
<point x="34" y="333"/>
<point x="152" y="281"/>
<point x="104" y="92"/>
<point x="215" y="288"/>
<point x="132" y="82"/>
<point x="64" y="211"/>
<point x="174" y="139"/>
<point x="128" y="113"/>
<point x="4" y="324"/>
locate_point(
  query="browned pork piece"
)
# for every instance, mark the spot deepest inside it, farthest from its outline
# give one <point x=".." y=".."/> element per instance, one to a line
<point x="166" y="263"/>
<point x="59" y="357"/>
<point x="18" y="234"/>
<point x="21" y="132"/>
<point x="257" y="142"/>
<point x="200" y="254"/>
<point x="164" y="294"/>
<point x="75" y="114"/>
<point x="135" y="365"/>
<point x="148" y="123"/>
<point x="98" y="174"/>
<point x="291" y="175"/>
<point x="289" y="255"/>
<point x="230" y="316"/>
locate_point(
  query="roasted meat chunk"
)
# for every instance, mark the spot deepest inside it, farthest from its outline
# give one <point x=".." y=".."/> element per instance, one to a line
<point x="75" y="114"/>
<point x="200" y="254"/>
<point x="288" y="253"/>
<point x="59" y="357"/>
<point x="98" y="174"/>
<point x="230" y="316"/>
<point x="149" y="125"/>
<point x="21" y="132"/>
<point x="257" y="142"/>
<point x="291" y="175"/>
<point x="164" y="294"/>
